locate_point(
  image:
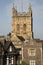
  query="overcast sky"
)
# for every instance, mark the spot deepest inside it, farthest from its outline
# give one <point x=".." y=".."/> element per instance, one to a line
<point x="6" y="15"/>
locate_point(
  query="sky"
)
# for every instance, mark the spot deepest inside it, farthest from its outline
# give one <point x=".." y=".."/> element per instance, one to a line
<point x="6" y="15"/>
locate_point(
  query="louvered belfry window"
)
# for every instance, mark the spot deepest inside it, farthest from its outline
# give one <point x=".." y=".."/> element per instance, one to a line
<point x="24" y="28"/>
<point x="18" y="28"/>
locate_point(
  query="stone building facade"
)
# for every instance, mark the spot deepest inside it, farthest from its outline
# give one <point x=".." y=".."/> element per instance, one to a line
<point x="32" y="52"/>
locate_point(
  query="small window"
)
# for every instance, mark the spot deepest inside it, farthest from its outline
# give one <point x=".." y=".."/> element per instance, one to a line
<point x="10" y="49"/>
<point x="12" y="60"/>
<point x="32" y="62"/>
<point x="24" y="28"/>
<point x="20" y="52"/>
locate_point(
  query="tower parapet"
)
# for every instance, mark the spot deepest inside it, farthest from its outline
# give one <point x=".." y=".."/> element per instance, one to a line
<point x="29" y="10"/>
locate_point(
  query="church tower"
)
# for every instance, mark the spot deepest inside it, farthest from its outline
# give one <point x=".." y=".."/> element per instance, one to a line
<point x="22" y="24"/>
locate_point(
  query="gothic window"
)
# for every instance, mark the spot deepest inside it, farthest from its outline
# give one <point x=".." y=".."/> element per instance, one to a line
<point x="32" y="62"/>
<point x="24" y="28"/>
<point x="18" y="28"/>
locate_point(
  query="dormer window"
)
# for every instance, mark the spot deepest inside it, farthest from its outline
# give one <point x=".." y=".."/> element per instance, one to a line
<point x="10" y="49"/>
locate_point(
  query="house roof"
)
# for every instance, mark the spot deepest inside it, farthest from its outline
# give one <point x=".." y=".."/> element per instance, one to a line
<point x="6" y="46"/>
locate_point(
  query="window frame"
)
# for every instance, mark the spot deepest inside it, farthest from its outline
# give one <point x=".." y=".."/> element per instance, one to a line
<point x="32" y="51"/>
<point x="32" y="62"/>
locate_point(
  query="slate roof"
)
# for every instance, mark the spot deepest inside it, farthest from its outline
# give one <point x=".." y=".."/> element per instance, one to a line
<point x="6" y="44"/>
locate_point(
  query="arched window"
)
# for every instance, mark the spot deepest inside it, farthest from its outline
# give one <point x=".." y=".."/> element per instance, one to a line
<point x="10" y="49"/>
<point x="24" y="28"/>
<point x="18" y="28"/>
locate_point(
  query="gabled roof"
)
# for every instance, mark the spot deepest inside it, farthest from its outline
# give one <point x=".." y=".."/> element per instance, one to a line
<point x="7" y="44"/>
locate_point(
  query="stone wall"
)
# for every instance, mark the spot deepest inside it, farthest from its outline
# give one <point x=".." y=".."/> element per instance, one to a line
<point x="35" y="54"/>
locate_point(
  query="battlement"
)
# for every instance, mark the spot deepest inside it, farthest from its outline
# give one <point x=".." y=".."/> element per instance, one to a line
<point x="16" y="13"/>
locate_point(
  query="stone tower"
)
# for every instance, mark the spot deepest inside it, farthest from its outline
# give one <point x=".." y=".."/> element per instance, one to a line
<point x="22" y="24"/>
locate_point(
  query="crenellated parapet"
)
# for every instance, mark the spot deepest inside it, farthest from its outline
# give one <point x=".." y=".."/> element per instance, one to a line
<point x="16" y="13"/>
